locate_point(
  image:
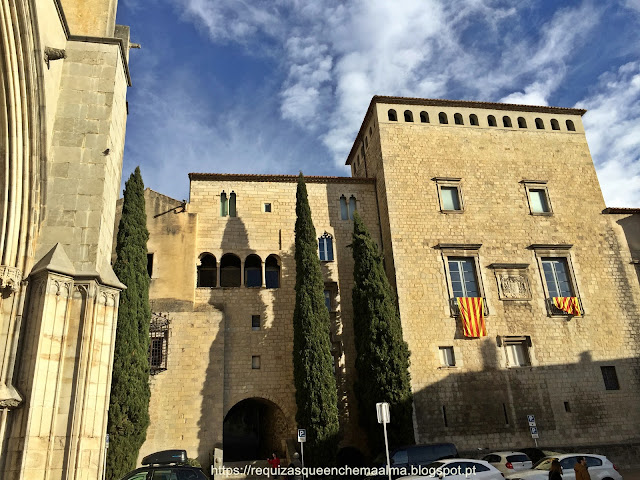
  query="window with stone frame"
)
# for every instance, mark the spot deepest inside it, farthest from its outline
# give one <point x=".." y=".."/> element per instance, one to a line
<point x="449" y="194"/>
<point x="325" y="247"/>
<point x="462" y="268"/>
<point x="347" y="207"/>
<point x="538" y="197"/>
<point x="558" y="278"/>
<point x="517" y="350"/>
<point x="158" y="343"/>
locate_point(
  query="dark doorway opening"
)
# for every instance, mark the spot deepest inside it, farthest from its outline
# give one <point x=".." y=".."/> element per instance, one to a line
<point x="253" y="429"/>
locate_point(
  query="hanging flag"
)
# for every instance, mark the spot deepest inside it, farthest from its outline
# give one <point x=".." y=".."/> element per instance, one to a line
<point x="472" y="313"/>
<point x="569" y="305"/>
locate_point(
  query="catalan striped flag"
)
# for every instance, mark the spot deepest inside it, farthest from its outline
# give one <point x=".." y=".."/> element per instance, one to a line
<point x="472" y="313"/>
<point x="569" y="305"/>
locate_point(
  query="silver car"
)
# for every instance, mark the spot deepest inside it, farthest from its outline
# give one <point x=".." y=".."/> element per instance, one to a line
<point x="599" y="466"/>
<point x="509" y="462"/>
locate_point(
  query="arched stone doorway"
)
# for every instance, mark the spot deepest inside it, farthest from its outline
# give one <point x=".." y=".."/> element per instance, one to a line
<point x="252" y="429"/>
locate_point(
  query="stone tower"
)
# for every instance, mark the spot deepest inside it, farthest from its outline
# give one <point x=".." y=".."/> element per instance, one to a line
<point x="63" y="84"/>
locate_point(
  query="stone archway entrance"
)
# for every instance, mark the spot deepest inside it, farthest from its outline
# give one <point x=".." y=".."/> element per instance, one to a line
<point x="252" y="429"/>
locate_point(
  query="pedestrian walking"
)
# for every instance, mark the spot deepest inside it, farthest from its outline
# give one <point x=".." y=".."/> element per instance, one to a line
<point x="274" y="463"/>
<point x="581" y="469"/>
<point x="555" y="472"/>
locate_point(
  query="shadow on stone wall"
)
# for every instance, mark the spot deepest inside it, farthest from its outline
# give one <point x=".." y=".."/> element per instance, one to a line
<point x="488" y="409"/>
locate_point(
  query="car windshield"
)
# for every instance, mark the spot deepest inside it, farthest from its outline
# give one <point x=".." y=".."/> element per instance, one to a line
<point x="544" y="464"/>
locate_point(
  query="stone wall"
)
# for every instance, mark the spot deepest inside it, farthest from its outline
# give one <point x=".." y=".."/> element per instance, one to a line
<point x="482" y="402"/>
<point x="211" y="339"/>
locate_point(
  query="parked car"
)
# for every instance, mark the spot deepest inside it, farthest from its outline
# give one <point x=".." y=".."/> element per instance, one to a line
<point x="416" y="455"/>
<point x="166" y="465"/>
<point x="459" y="469"/>
<point x="600" y="468"/>
<point x="509" y="462"/>
<point x="536" y="454"/>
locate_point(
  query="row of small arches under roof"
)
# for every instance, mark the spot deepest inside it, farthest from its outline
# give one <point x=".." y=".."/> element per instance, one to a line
<point x="458" y="119"/>
<point x="230" y="271"/>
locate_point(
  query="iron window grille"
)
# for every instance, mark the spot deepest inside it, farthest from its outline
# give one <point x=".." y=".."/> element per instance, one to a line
<point x="158" y="343"/>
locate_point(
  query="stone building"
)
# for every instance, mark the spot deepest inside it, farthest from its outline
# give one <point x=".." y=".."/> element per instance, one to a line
<point x="467" y="199"/>
<point x="63" y="83"/>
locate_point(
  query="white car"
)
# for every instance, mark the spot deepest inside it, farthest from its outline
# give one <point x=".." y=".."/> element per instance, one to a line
<point x="509" y="462"/>
<point x="599" y="466"/>
<point x="457" y="469"/>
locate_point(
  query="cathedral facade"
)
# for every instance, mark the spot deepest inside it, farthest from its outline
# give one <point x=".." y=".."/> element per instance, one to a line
<point x="495" y="202"/>
<point x="63" y="83"/>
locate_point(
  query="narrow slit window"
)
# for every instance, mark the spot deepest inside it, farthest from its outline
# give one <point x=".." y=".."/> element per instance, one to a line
<point x="150" y="264"/>
<point x="232" y="204"/>
<point x="224" y="204"/>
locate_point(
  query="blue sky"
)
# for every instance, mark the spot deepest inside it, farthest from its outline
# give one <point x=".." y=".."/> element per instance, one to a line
<point x="279" y="86"/>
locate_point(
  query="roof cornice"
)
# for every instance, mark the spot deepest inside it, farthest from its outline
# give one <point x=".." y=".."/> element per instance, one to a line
<point x="246" y="177"/>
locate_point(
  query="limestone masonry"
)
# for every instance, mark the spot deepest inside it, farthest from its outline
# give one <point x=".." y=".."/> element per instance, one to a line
<point x="466" y="199"/>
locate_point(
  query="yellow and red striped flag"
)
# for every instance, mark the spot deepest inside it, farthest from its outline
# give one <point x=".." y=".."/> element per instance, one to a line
<point x="569" y="305"/>
<point x="472" y="313"/>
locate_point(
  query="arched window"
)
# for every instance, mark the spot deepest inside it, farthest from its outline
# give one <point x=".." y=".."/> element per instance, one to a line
<point x="539" y="124"/>
<point x="325" y="247"/>
<point x="443" y="118"/>
<point x="408" y="116"/>
<point x="230" y="270"/>
<point x="207" y="271"/>
<point x="424" y="117"/>
<point x="253" y="271"/>
<point x="393" y="116"/>
<point x="570" y="126"/>
<point x="554" y="124"/>
<point x="457" y="118"/>
<point x="506" y="121"/>
<point x="491" y="120"/>
<point x="224" y="204"/>
<point x="473" y="119"/>
<point x="522" y="123"/>
<point x="272" y="271"/>
<point x="232" y="204"/>
<point x="347" y="207"/>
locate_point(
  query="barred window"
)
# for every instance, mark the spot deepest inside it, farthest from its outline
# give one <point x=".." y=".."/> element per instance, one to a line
<point x="158" y="343"/>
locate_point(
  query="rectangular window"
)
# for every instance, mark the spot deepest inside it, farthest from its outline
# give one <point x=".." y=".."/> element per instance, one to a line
<point x="538" y="197"/>
<point x="447" y="357"/>
<point x="517" y="350"/>
<point x="150" y="264"/>
<point x="610" y="378"/>
<point x="556" y="276"/>
<point x="463" y="277"/>
<point x="255" y="362"/>
<point x="255" y="322"/>
<point x="267" y="208"/>
<point x="450" y="198"/>
<point x="158" y="343"/>
<point x="538" y="201"/>
<point x="327" y="299"/>
<point x="449" y="194"/>
<point x="325" y="247"/>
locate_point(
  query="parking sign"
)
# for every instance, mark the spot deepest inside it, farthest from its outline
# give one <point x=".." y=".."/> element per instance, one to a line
<point x="532" y="420"/>
<point x="534" y="432"/>
<point x="302" y="435"/>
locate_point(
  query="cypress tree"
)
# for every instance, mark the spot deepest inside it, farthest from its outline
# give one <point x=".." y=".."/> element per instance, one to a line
<point x="316" y="393"/>
<point x="129" y="402"/>
<point x="382" y="361"/>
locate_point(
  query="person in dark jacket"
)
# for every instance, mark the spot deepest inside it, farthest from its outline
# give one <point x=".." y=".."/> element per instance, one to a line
<point x="555" y="472"/>
<point x="581" y="469"/>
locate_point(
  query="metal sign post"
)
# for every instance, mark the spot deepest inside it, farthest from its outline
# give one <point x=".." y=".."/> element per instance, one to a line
<point x="302" y="437"/>
<point x="106" y="448"/>
<point x="384" y="417"/>
<point x="533" y="429"/>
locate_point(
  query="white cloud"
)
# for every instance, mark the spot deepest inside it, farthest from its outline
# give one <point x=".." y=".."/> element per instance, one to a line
<point x="612" y="125"/>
